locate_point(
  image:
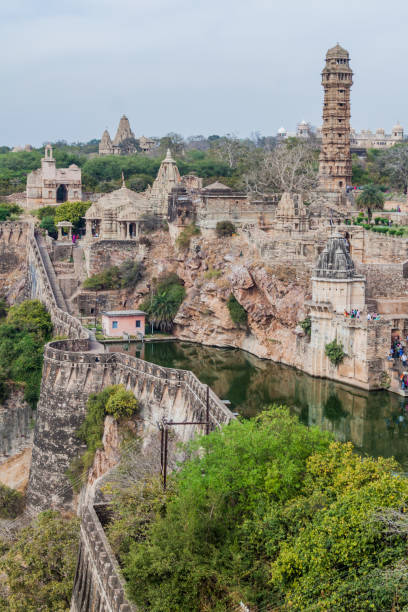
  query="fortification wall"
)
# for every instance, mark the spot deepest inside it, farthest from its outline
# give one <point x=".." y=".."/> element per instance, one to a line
<point x="98" y="584"/>
<point x="105" y="253"/>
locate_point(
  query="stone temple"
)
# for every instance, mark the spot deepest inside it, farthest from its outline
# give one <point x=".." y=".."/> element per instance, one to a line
<point x="335" y="156"/>
<point x="124" y="142"/>
<point x="50" y="185"/>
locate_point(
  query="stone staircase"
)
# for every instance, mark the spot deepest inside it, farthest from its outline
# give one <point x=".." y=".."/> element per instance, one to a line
<point x="59" y="297"/>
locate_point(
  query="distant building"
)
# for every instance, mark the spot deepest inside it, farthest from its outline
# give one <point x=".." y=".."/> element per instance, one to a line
<point x="124" y="142"/>
<point x="303" y="130"/>
<point x="50" y="185"/>
<point x="116" y="323"/>
<point x="18" y="149"/>
<point x="366" y="139"/>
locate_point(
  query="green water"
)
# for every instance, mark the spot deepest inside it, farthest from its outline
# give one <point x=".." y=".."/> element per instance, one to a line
<point x="376" y="422"/>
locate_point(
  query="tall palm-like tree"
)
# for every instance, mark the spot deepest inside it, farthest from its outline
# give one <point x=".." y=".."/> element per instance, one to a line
<point x="370" y="198"/>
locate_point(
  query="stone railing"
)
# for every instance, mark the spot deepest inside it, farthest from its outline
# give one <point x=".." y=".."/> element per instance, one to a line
<point x="98" y="584"/>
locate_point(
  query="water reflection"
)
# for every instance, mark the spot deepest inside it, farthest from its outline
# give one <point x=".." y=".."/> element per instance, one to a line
<point x="376" y="422"/>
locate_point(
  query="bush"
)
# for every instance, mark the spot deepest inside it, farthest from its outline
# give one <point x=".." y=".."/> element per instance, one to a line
<point x="212" y="273"/>
<point x="184" y="238"/>
<point x="224" y="228"/>
<point x="237" y="312"/>
<point x="48" y="224"/>
<point x="306" y="325"/>
<point x="31" y="316"/>
<point x="380" y="229"/>
<point x="334" y="351"/>
<point x="126" y="276"/>
<point x="45" y="211"/>
<point x="151" y="223"/>
<point x="38" y="569"/>
<point x="11" y="502"/>
<point x="9" y="211"/>
<point x="121" y="404"/>
<point x="145" y="240"/>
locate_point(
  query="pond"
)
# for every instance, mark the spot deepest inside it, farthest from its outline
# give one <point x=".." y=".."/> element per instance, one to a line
<point x="376" y="422"/>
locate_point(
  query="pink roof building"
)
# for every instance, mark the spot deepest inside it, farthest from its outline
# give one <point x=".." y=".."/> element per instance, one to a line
<point x="116" y="323"/>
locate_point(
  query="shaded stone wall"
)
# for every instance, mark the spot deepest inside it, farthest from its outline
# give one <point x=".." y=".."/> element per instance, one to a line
<point x="98" y="584"/>
<point x="105" y="253"/>
<point x="70" y="374"/>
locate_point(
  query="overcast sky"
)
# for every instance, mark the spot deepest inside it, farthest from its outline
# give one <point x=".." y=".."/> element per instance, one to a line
<point x="71" y="68"/>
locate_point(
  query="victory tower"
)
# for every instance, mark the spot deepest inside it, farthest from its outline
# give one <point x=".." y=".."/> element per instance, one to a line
<point x="335" y="156"/>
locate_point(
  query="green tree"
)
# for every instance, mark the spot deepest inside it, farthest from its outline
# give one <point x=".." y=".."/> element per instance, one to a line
<point x="73" y="212"/>
<point x="370" y="198"/>
<point x="40" y="564"/>
<point x="11" y="502"/>
<point x="237" y="312"/>
<point x="122" y="404"/>
<point x="224" y="228"/>
<point x="48" y="224"/>
<point x="334" y="351"/>
<point x="164" y="301"/>
<point x="31" y="316"/>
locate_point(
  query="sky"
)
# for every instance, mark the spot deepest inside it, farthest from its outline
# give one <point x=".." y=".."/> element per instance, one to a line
<point x="71" y="68"/>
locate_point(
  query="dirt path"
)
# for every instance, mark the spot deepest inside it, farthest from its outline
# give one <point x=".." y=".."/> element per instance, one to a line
<point x="14" y="472"/>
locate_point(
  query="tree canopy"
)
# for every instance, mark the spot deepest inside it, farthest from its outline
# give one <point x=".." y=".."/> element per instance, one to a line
<point x="271" y="513"/>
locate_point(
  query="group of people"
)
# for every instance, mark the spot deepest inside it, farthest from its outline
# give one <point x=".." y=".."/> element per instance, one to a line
<point x="373" y="316"/>
<point x="397" y="351"/>
<point x="353" y="314"/>
<point x="75" y="237"/>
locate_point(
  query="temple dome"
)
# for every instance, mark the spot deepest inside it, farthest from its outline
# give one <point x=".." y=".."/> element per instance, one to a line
<point x="122" y="202"/>
<point x="335" y="260"/>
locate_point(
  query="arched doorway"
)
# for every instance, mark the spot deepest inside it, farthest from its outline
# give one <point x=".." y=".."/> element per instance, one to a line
<point x="62" y="193"/>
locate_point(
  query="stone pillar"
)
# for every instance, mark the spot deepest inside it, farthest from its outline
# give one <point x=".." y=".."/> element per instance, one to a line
<point x="137" y="229"/>
<point x="59" y="232"/>
<point x="70" y="233"/>
<point x="88" y="230"/>
<point x="127" y="230"/>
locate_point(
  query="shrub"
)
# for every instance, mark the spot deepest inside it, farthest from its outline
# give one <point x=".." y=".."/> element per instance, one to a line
<point x="380" y="229"/>
<point x="45" y="211"/>
<point x="38" y="569"/>
<point x="31" y="316"/>
<point x="334" y="351"/>
<point x="184" y="238"/>
<point x="212" y="273"/>
<point x="144" y="240"/>
<point x="237" y="312"/>
<point x="121" y="404"/>
<point x="306" y="325"/>
<point x="224" y="228"/>
<point x="126" y="276"/>
<point x="151" y="223"/>
<point x="9" y="211"/>
<point x="11" y="502"/>
<point x="48" y="224"/>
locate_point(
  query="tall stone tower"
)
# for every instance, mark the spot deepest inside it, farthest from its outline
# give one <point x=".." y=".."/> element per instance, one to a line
<point x="335" y="156"/>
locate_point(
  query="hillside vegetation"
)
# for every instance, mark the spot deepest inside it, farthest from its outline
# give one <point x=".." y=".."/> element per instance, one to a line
<point x="271" y="513"/>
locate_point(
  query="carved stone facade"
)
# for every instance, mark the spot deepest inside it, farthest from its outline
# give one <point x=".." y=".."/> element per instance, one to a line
<point x="335" y="156"/>
<point x="168" y="177"/>
<point x="49" y="185"/>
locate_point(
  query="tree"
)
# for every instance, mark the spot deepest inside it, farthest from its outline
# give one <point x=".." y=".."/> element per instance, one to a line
<point x="370" y="197"/>
<point x="224" y="228"/>
<point x="48" y="224"/>
<point x="394" y="163"/>
<point x="164" y="301"/>
<point x="172" y="141"/>
<point x="73" y="212"/>
<point x="40" y="564"/>
<point x="231" y="150"/>
<point x="31" y="316"/>
<point x="237" y="312"/>
<point x="289" y="167"/>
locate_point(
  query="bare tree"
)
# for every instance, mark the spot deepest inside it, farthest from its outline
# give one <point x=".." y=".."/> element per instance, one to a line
<point x="394" y="163"/>
<point x="288" y="167"/>
<point x="231" y="150"/>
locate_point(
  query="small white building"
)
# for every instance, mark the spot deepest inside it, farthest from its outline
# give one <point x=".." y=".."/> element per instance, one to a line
<point x="50" y="185"/>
